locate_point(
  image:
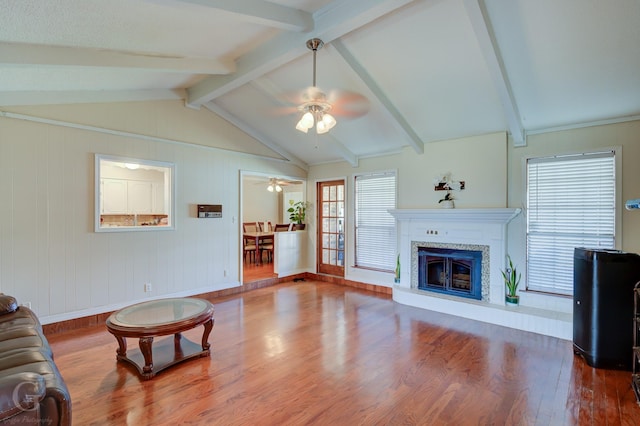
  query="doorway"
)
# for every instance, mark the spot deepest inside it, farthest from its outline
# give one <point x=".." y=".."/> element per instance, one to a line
<point x="331" y="226"/>
<point x="264" y="200"/>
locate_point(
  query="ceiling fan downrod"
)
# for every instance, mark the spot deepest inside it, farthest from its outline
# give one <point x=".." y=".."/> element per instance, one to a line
<point x="314" y="44"/>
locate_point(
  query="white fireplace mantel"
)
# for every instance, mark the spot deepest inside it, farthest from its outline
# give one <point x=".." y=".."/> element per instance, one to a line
<point x="483" y="227"/>
<point x="457" y="215"/>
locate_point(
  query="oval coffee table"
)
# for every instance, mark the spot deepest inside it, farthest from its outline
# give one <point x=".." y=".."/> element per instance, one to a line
<point x="162" y="317"/>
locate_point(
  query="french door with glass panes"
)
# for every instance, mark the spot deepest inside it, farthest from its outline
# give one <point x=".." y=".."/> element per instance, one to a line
<point x="331" y="227"/>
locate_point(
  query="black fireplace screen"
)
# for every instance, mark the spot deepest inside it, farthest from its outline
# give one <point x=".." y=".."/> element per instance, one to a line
<point x="451" y="271"/>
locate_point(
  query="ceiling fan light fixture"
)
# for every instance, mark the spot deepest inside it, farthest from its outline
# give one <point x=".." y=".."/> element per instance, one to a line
<point x="270" y="188"/>
<point x="321" y="127"/>
<point x="316" y="107"/>
<point x="300" y="126"/>
<point x="329" y="121"/>
<point x="278" y="188"/>
<point x="306" y="122"/>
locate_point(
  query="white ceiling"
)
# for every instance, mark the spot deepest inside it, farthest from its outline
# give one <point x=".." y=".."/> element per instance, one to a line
<point x="431" y="69"/>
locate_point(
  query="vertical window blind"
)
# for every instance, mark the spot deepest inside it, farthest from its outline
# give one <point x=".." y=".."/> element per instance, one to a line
<point x="375" y="228"/>
<point x="570" y="203"/>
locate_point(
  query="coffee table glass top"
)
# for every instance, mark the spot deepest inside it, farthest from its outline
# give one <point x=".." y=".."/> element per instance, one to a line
<point x="159" y="312"/>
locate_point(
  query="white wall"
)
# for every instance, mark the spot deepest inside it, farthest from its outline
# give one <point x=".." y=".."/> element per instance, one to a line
<point x="258" y="204"/>
<point x="480" y="161"/>
<point x="49" y="254"/>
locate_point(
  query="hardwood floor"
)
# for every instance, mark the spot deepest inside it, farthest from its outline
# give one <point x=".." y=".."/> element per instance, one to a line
<point x="252" y="272"/>
<point x="324" y="354"/>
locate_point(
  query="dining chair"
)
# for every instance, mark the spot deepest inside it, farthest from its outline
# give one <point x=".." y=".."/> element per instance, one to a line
<point x="250" y="227"/>
<point x="266" y="244"/>
<point x="250" y="249"/>
<point x="249" y="244"/>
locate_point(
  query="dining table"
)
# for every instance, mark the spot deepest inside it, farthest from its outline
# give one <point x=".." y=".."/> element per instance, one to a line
<point x="257" y="236"/>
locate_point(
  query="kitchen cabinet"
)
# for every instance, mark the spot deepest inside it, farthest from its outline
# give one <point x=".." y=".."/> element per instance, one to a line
<point x="158" y="198"/>
<point x="114" y="196"/>
<point x="139" y="197"/>
<point x="121" y="196"/>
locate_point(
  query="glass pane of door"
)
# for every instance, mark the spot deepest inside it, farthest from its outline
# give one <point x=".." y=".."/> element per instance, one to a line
<point x="332" y="226"/>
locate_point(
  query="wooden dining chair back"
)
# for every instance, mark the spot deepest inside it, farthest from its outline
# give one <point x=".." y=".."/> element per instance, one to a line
<point x="281" y="227"/>
<point x="266" y="243"/>
<point x="250" y="227"/>
<point x="267" y="228"/>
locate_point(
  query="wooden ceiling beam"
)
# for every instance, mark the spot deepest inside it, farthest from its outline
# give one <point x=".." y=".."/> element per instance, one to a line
<point x="489" y="46"/>
<point x="57" y="56"/>
<point x="263" y="12"/>
<point x="398" y="119"/>
<point x="331" y="22"/>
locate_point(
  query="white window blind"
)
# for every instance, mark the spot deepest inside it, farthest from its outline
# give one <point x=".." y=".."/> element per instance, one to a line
<point x="570" y="203"/>
<point x="375" y="228"/>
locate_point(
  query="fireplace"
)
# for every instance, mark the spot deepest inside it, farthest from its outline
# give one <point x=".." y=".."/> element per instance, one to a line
<point x="480" y="230"/>
<point x="450" y="271"/>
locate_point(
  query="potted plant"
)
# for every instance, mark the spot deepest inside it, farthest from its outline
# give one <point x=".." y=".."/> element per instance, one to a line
<point x="511" y="280"/>
<point x="447" y="201"/>
<point x="397" y="277"/>
<point x="297" y="211"/>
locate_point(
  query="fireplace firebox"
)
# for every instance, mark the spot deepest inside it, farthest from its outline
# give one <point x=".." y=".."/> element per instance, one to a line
<point x="450" y="271"/>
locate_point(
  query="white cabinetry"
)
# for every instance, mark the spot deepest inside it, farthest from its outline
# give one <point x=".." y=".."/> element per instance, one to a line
<point x="114" y="196"/>
<point x="139" y="197"/>
<point x="120" y="196"/>
<point x="157" y="200"/>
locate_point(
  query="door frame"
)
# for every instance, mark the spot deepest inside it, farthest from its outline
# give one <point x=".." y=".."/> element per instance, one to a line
<point x="338" y="271"/>
<point x="243" y="177"/>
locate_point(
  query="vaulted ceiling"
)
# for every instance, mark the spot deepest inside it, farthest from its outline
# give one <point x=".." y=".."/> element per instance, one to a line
<point x="430" y="70"/>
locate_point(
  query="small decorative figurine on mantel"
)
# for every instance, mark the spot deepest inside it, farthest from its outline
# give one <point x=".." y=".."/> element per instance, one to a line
<point x="444" y="182"/>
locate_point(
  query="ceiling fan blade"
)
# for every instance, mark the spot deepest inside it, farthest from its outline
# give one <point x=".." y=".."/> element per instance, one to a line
<point x="348" y="104"/>
<point x="299" y="97"/>
<point x="280" y="111"/>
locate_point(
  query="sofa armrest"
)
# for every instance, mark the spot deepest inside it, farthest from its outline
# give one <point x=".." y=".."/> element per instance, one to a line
<point x="8" y="304"/>
<point x="19" y="393"/>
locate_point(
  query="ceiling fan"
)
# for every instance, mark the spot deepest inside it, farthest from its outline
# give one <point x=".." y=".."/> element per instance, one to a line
<point x="276" y="185"/>
<point x="320" y="110"/>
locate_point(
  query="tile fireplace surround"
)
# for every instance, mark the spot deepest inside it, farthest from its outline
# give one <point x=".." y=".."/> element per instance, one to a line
<point x="460" y="228"/>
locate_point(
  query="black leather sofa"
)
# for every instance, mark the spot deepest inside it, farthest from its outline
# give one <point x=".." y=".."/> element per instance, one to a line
<point x="32" y="391"/>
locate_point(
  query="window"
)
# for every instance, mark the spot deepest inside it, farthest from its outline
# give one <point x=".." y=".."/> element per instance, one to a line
<point x="133" y="194"/>
<point x="375" y="228"/>
<point x="570" y="203"/>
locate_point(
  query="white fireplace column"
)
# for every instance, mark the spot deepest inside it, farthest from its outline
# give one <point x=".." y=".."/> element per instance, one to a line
<point x="484" y="227"/>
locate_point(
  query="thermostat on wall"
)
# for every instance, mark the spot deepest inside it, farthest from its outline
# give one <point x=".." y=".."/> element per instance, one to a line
<point x="209" y="210"/>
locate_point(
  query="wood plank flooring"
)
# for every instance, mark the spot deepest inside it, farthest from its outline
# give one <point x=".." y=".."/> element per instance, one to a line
<point x="252" y="272"/>
<point x="323" y="354"/>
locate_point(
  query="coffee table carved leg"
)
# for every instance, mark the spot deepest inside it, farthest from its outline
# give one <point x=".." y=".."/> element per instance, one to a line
<point x="145" y="347"/>
<point x="177" y="347"/>
<point x="122" y="346"/>
<point x="208" y="326"/>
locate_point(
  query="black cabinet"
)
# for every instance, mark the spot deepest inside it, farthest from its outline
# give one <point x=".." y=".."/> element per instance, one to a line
<point x="603" y="306"/>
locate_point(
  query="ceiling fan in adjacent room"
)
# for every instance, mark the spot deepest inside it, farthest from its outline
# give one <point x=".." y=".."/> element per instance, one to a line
<point x="319" y="110"/>
<point x="275" y="185"/>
